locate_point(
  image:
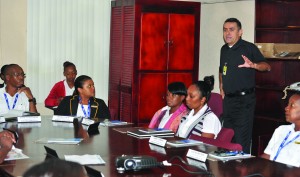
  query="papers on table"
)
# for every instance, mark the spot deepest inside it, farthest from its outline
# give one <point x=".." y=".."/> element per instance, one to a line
<point x="63" y="118"/>
<point x="87" y="121"/>
<point x="229" y="155"/>
<point x="85" y="159"/>
<point x="14" y="114"/>
<point x="147" y="133"/>
<point x="2" y="119"/>
<point x="154" y="130"/>
<point x="110" y="123"/>
<point x="59" y="140"/>
<point x="183" y="143"/>
<point x="26" y="119"/>
<point x="15" y="154"/>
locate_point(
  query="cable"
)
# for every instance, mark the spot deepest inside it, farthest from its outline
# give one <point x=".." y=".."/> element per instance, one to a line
<point x="180" y="158"/>
<point x="168" y="163"/>
<point x="255" y="174"/>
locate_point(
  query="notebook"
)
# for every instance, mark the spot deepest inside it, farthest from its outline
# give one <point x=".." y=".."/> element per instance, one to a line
<point x="183" y="143"/>
<point x="147" y="133"/>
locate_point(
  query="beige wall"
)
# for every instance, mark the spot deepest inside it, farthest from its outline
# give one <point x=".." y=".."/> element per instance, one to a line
<point x="13" y="15"/>
<point x="211" y="32"/>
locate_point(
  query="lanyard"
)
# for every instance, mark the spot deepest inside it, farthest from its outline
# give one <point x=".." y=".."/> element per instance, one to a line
<point x="88" y="113"/>
<point x="282" y="145"/>
<point x="15" y="101"/>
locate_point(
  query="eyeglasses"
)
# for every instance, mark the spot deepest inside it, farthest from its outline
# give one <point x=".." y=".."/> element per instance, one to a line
<point x="18" y="75"/>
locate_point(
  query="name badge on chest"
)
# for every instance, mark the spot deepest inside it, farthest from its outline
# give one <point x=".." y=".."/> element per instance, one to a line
<point x="225" y="69"/>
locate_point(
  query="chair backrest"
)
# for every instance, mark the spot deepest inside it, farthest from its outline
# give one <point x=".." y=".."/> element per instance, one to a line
<point x="225" y="134"/>
<point x="216" y="104"/>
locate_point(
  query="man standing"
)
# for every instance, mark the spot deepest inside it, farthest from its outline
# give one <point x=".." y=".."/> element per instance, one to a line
<point x="238" y="62"/>
<point x="15" y="95"/>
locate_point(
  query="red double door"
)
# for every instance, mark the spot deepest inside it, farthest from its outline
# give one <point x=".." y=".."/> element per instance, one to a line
<point x="153" y="43"/>
<point x="166" y="55"/>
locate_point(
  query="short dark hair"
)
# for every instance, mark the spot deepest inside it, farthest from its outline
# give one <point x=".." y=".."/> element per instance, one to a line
<point x="3" y="69"/>
<point x="55" y="168"/>
<point x="3" y="72"/>
<point x="177" y="88"/>
<point x="79" y="81"/>
<point x="68" y="64"/>
<point x="8" y="68"/>
<point x="235" y="20"/>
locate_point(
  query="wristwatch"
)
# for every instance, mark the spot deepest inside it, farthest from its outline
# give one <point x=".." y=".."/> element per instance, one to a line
<point x="32" y="100"/>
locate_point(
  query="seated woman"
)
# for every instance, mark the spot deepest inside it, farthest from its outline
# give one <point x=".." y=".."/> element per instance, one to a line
<point x="62" y="88"/>
<point x="169" y="116"/>
<point x="285" y="142"/>
<point x="201" y="120"/>
<point x="83" y="102"/>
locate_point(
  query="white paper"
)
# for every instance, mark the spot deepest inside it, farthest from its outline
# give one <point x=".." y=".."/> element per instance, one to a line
<point x="62" y="118"/>
<point x="15" y="154"/>
<point x="238" y="156"/>
<point x="85" y="159"/>
<point x="2" y="119"/>
<point x="13" y="113"/>
<point x="73" y="141"/>
<point x="30" y="119"/>
<point x="157" y="141"/>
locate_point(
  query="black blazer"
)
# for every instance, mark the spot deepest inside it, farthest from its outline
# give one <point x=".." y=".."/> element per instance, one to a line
<point x="68" y="107"/>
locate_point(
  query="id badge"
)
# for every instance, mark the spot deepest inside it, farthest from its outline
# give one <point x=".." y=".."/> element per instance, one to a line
<point x="225" y="69"/>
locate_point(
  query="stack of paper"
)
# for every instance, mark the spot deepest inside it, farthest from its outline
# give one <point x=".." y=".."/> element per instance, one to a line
<point x="112" y="123"/>
<point x="59" y="140"/>
<point x="147" y="133"/>
<point x="85" y="159"/>
<point x="229" y="155"/>
<point x="63" y="118"/>
<point x="183" y="143"/>
<point x="15" y="154"/>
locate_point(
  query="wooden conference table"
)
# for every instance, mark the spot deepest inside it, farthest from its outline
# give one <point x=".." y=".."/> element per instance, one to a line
<point x="110" y="144"/>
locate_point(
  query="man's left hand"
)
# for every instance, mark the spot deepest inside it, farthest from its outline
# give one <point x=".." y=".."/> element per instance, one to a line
<point x="248" y="63"/>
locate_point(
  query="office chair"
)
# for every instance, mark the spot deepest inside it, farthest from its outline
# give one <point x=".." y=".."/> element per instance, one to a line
<point x="216" y="104"/>
<point x="225" y="135"/>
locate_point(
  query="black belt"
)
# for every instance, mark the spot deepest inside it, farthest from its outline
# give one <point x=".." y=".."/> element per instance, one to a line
<point x="240" y="93"/>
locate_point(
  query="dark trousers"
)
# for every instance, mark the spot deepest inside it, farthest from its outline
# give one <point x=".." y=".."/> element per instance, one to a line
<point x="238" y="114"/>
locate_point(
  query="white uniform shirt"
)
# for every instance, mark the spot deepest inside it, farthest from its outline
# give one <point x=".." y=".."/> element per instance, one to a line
<point x="80" y="112"/>
<point x="69" y="91"/>
<point x="211" y="123"/>
<point x="21" y="104"/>
<point x="290" y="153"/>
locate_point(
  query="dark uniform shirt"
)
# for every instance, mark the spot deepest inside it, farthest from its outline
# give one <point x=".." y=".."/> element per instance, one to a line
<point x="237" y="79"/>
